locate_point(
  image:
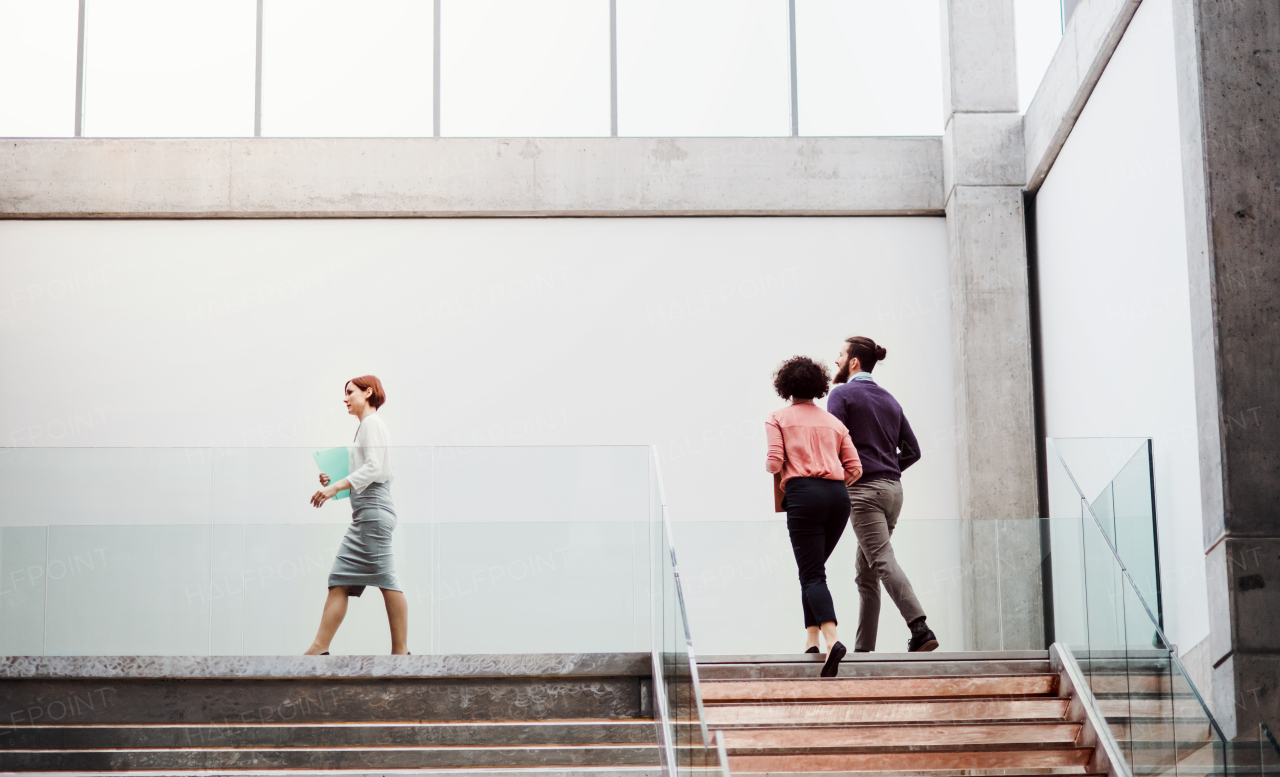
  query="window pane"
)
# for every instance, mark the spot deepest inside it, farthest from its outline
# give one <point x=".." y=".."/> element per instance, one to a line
<point x="869" y="67"/>
<point x="38" y="40"/>
<point x="170" y="68"/>
<point x="343" y="69"/>
<point x="703" y="67"/>
<point x="1039" y="28"/>
<point x="524" y="67"/>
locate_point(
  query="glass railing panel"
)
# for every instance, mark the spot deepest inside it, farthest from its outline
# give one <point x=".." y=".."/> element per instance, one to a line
<point x="1268" y="752"/>
<point x="1147" y="732"/>
<point x="1066" y="541"/>
<point x="537" y="587"/>
<point x="24" y="572"/>
<point x="1157" y="717"/>
<point x="135" y="590"/>
<point x="126" y="486"/>
<point x="1133" y="514"/>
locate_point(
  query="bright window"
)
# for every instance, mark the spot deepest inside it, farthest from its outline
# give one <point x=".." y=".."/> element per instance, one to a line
<point x="38" y="58"/>
<point x="703" y="67"/>
<point x="166" y="68"/>
<point x="342" y="69"/>
<point x="524" y="68"/>
<point x="869" y="68"/>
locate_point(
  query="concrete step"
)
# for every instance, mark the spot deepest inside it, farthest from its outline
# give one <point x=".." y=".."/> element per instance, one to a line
<point x="952" y="711"/>
<point x="322" y="700"/>
<point x="1069" y="758"/>
<point x="388" y="757"/>
<point x="874" y="738"/>
<point x="583" y="771"/>
<point x="1179" y="710"/>
<point x="504" y="734"/>
<point x="878" y="668"/>
<point x="878" y="688"/>
<point x="870" y="658"/>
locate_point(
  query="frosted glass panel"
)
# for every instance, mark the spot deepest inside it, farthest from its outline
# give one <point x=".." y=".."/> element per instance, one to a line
<point x="524" y="67"/>
<point x="540" y="587"/>
<point x="22" y="581"/>
<point x="274" y="485"/>
<point x="869" y="68"/>
<point x="541" y="484"/>
<point x="128" y="590"/>
<point x="345" y="69"/>
<point x="743" y="590"/>
<point x="160" y="68"/>
<point x="703" y="67"/>
<point x="38" y="41"/>
<point x="47" y="486"/>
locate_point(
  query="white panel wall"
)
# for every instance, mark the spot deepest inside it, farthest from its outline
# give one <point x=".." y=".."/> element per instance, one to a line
<point x="486" y="332"/>
<point x="1115" y="298"/>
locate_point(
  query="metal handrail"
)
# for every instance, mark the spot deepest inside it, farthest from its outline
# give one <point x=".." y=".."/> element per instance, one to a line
<point x="708" y="741"/>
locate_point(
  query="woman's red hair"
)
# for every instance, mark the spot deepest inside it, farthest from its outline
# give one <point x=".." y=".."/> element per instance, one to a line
<point x="379" y="397"/>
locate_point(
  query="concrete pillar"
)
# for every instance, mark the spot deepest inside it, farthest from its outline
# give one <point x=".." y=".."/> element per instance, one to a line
<point x="1228" y="59"/>
<point x="983" y="175"/>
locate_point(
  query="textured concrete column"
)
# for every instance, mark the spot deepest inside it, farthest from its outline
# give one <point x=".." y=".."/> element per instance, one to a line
<point x="983" y="174"/>
<point x="1228" y="55"/>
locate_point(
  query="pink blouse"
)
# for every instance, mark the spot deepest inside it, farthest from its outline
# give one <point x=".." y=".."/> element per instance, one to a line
<point x="806" y="441"/>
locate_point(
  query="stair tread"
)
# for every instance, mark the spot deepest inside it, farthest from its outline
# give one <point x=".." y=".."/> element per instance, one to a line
<point x="887" y="712"/>
<point x="854" y="688"/>
<point x="1058" y="757"/>
<point x="884" y="737"/>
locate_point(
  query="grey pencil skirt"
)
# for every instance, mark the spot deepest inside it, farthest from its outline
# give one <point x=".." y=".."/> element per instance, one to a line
<point x="365" y="556"/>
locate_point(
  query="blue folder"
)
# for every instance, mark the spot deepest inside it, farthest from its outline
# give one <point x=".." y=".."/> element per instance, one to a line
<point x="335" y="463"/>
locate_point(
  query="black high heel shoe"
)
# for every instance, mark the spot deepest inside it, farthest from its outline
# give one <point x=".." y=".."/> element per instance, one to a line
<point x="813" y="649"/>
<point x="832" y="667"/>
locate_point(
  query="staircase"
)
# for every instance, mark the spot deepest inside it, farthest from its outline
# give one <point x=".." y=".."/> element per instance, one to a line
<point x="940" y="714"/>
<point x="553" y="715"/>
<point x="1153" y="715"/>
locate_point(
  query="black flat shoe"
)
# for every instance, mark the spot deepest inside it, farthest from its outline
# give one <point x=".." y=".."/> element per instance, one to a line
<point x="832" y="667"/>
<point x="813" y="649"/>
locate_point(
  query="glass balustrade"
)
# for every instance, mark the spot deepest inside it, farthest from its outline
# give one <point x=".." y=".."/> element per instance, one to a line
<point x="1106" y="612"/>
<point x="219" y="552"/>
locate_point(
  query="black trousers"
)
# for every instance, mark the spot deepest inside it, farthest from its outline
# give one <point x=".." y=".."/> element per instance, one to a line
<point x="817" y="512"/>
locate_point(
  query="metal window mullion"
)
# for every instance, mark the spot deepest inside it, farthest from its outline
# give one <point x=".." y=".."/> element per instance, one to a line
<point x="795" y="91"/>
<point x="80" y="64"/>
<point x="613" y="68"/>
<point x="257" y="79"/>
<point x="435" y="74"/>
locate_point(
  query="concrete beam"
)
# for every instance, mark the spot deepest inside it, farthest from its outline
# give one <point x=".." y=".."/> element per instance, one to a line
<point x="1091" y="37"/>
<point x="450" y="177"/>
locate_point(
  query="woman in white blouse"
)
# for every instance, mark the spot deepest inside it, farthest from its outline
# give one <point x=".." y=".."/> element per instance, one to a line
<point x="365" y="556"/>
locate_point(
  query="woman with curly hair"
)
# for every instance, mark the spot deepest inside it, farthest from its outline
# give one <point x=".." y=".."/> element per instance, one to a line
<point x="815" y="457"/>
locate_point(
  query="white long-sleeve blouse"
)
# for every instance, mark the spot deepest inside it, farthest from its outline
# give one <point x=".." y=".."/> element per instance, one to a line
<point x="369" y="459"/>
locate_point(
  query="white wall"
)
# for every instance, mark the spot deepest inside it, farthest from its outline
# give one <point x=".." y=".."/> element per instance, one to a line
<point x="485" y="332"/>
<point x="1115" y="299"/>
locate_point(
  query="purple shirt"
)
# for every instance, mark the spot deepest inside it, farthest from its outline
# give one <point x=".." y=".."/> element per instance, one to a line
<point x="879" y="430"/>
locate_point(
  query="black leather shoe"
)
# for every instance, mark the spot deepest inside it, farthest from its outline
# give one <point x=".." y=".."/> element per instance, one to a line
<point x="832" y="667"/>
<point x="813" y="649"/>
<point x="922" y="639"/>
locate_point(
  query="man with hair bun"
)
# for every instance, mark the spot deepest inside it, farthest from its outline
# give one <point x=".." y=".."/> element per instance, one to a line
<point x="886" y="446"/>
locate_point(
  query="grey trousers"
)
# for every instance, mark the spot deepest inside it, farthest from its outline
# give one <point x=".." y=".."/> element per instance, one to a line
<point x="874" y="508"/>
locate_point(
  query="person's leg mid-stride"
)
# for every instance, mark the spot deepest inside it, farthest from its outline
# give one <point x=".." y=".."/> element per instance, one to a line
<point x="874" y="508"/>
<point x="886" y="446"/>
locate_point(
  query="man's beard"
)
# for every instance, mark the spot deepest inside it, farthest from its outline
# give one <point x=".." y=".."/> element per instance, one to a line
<point x="843" y="375"/>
